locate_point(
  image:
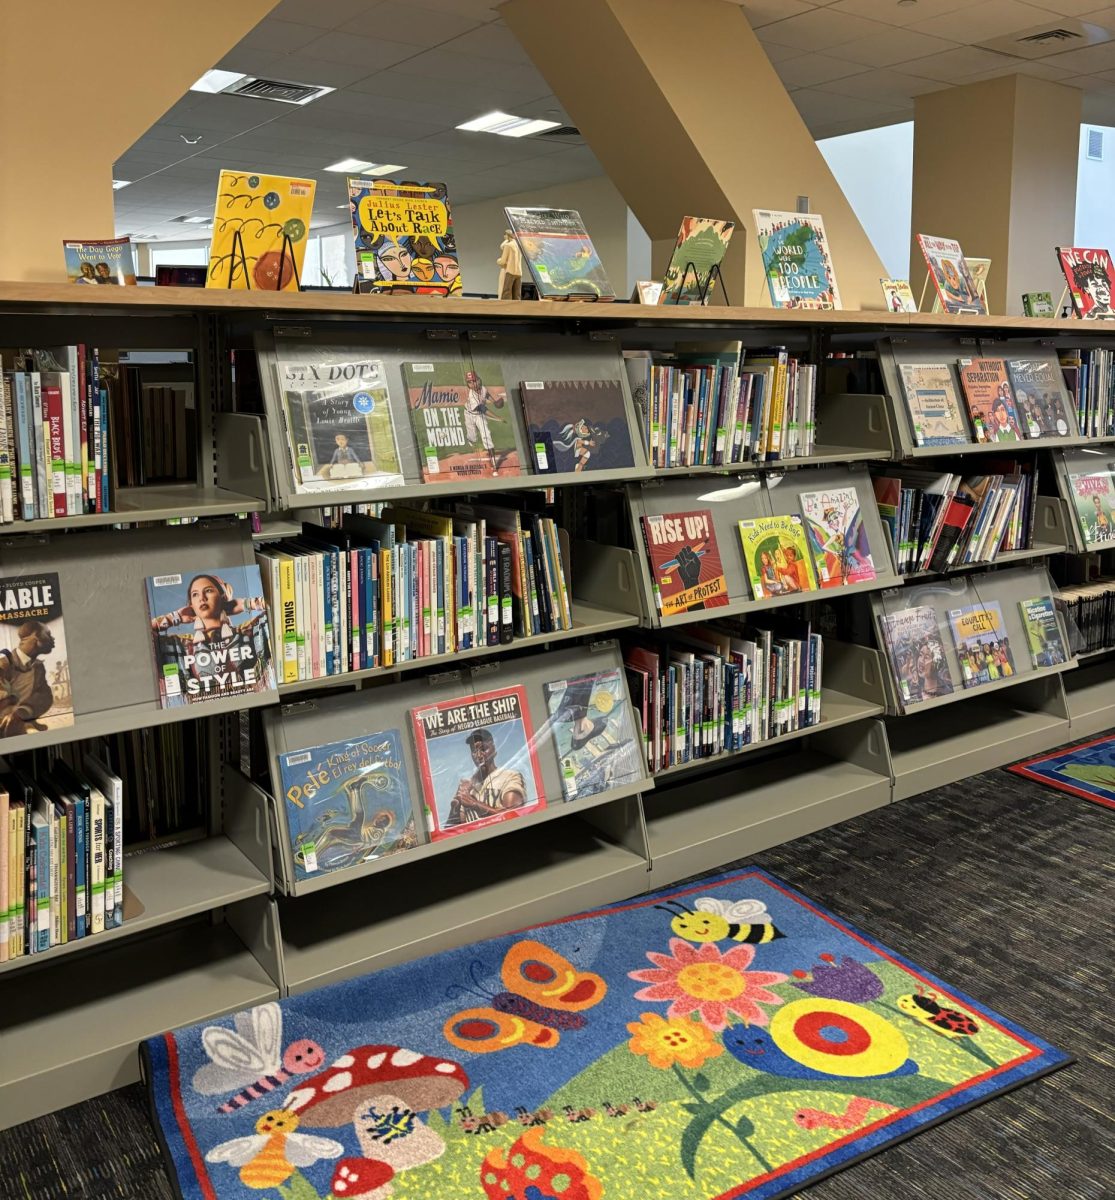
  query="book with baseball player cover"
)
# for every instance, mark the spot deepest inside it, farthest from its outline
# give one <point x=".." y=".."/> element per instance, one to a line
<point x="1091" y="281"/>
<point x="576" y="425"/>
<point x="837" y="538"/>
<point x="478" y="761"/>
<point x="34" y="669"/>
<point x="463" y="427"/>
<point x="776" y="552"/>
<point x="686" y="570"/>
<point x="210" y="635"/>
<point x="347" y="802"/>
<point x="597" y="745"/>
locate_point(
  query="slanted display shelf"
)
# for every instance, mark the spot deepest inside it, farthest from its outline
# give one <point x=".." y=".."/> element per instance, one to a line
<point x="1090" y="695"/>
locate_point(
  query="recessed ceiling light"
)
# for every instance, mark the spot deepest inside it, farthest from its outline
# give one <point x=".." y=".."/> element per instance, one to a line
<point x="216" y="81"/>
<point x="350" y="164"/>
<point x="117" y="184"/>
<point x="506" y="125"/>
<point x="383" y="169"/>
<point x="195" y="220"/>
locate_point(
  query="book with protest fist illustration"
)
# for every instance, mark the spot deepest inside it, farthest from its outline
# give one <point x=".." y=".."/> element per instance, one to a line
<point x="686" y="568"/>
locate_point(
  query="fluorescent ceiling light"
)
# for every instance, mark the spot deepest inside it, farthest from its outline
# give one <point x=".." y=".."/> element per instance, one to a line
<point x="216" y="81"/>
<point x="195" y="220"/>
<point x="383" y="169"/>
<point x="350" y="164"/>
<point x="117" y="184"/>
<point x="506" y="125"/>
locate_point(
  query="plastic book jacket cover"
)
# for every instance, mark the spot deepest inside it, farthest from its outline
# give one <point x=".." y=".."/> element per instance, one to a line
<point x="933" y="404"/>
<point x="339" y="426"/>
<point x="108" y="261"/>
<point x="559" y="252"/>
<point x="577" y="425"/>
<point x="597" y="745"/>
<point x="34" y="669"/>
<point x="951" y="275"/>
<point x="478" y="761"/>
<point x="916" y="653"/>
<point x="776" y="551"/>
<point x="347" y="802"/>
<point x="1039" y="396"/>
<point x="463" y="427"/>
<point x="796" y="259"/>
<point x="210" y="635"/>
<point x="1043" y="631"/>
<point x="1094" y="496"/>
<point x="685" y="564"/>
<point x="981" y="643"/>
<point x="990" y="400"/>
<point x="897" y="294"/>
<point x="271" y="215"/>
<point x="837" y="538"/>
<point x="701" y="243"/>
<point x="1091" y="281"/>
<point x="403" y="233"/>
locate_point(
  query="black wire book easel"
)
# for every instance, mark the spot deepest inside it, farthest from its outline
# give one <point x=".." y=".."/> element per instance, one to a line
<point x="238" y="255"/>
<point x="704" y="290"/>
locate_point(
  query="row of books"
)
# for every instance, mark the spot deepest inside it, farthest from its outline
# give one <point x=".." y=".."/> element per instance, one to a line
<point x="1090" y="378"/>
<point x="706" y="409"/>
<point x="719" y="689"/>
<point x="412" y="584"/>
<point x="61" y="856"/>
<point x="1089" y="613"/>
<point x="940" y="521"/>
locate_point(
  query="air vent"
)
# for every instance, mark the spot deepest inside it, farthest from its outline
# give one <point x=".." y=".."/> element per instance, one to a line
<point x="1095" y="145"/>
<point x="564" y="131"/>
<point x="275" y="89"/>
<point x="1049" y="36"/>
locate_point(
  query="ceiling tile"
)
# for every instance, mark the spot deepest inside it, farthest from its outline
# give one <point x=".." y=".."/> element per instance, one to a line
<point x="469" y="100"/>
<point x="777" y="54"/>
<point x="370" y="53"/>
<point x="898" y="14"/>
<point x="406" y="22"/>
<point x="892" y="46"/>
<point x="820" y="29"/>
<point x="482" y="10"/>
<point x="956" y="65"/>
<point x="325" y="14"/>
<point x="807" y="70"/>
<point x="1086" y="61"/>
<point x="279" y="37"/>
<point x="816" y="105"/>
<point x="891" y="87"/>
<point x="249" y="61"/>
<point x="1039" y="70"/>
<point x="1069" y="8"/>
<point x="459" y="68"/>
<point x="494" y="41"/>
<point x="765" y="12"/>
<point x="983" y="21"/>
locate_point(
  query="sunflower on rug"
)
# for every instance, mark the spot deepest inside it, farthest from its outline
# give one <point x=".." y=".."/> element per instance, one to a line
<point x="742" y="1044"/>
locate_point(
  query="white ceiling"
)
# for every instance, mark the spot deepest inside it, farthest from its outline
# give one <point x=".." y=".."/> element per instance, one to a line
<point x="407" y="73"/>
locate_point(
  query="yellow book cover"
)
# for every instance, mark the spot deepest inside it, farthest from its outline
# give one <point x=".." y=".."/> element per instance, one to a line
<point x="290" y="619"/>
<point x="263" y="210"/>
<point x="777" y="556"/>
<point x="387" y="607"/>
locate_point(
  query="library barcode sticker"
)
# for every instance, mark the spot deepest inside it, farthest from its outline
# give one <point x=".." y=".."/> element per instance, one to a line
<point x="171" y="682"/>
<point x="309" y="857"/>
<point x="534" y="386"/>
<point x="432" y="464"/>
<point x="166" y="580"/>
<point x="296" y="760"/>
<point x="424" y="368"/>
<point x="540" y="456"/>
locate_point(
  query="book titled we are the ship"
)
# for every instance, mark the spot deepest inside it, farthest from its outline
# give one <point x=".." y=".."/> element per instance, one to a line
<point x="210" y="635"/>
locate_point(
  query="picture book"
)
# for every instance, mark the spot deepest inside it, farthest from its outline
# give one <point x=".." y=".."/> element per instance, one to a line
<point x="837" y="538"/>
<point x="917" y="656"/>
<point x="776" y="552"/>
<point x="990" y="400"/>
<point x="110" y="261"/>
<point x="1040" y="396"/>
<point x="685" y="566"/>
<point x="796" y="259"/>
<point x="576" y="425"/>
<point x="259" y="232"/>
<point x="1093" y="493"/>
<point x="933" y="404"/>
<point x="340" y="430"/>
<point x="478" y="760"/>
<point x="981" y="641"/>
<point x="701" y="245"/>
<point x="347" y="802"/>
<point x="210" y="635"/>
<point x="1043" y="631"/>
<point x="646" y="291"/>
<point x="897" y="294"/>
<point x="463" y="427"/>
<point x="1091" y="281"/>
<point x="35" y="690"/>
<point x="559" y="253"/>
<point x="951" y="276"/>
<point x="979" y="269"/>
<point x="595" y="738"/>
<point x="1038" y="304"/>
<point x="403" y="232"/>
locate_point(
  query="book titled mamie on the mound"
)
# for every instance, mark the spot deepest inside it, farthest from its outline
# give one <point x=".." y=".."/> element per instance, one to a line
<point x="576" y="425"/>
<point x="210" y="635"/>
<point x="478" y="761"/>
<point x="686" y="570"/>
<point x="796" y="259"/>
<point x="559" y="253"/>
<point x="104" y="262"/>
<point x="347" y="802"/>
<point x="776" y="552"/>
<point x="34" y="669"/>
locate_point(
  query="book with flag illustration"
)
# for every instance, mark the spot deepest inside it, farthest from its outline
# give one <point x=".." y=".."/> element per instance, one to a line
<point x="685" y="566"/>
<point x="933" y="404"/>
<point x="776" y="551"/>
<point x="990" y="400"/>
<point x="1043" y="631"/>
<point x="982" y="644"/>
<point x="951" y="275"/>
<point x="35" y="693"/>
<point x="576" y="425"/>
<point x="559" y="253"/>
<point x="701" y="245"/>
<point x="796" y="259"/>
<point x="105" y="262"/>
<point x="259" y="231"/>
<point x="916" y="653"/>
<point x="837" y="538"/>
<point x="1091" y="281"/>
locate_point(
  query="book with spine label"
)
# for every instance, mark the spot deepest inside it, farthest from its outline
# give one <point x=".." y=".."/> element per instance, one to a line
<point x="990" y="400"/>
<point x="1040" y="396"/>
<point x="912" y="639"/>
<point x="35" y="691"/>
<point x="576" y="425"/>
<point x="933" y="404"/>
<point x="478" y="761"/>
<point x="559" y="253"/>
<point x="956" y="289"/>
<point x="1043" y="631"/>
<point x="686" y="570"/>
<point x="837" y="537"/>
<point x="982" y="644"/>
<point x="776" y="553"/>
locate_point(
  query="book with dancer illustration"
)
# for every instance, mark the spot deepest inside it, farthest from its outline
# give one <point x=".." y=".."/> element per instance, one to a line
<point x="685" y="566"/>
<point x="576" y="425"/>
<point x="837" y="538"/>
<point x="34" y="668"/>
<point x="347" y="802"/>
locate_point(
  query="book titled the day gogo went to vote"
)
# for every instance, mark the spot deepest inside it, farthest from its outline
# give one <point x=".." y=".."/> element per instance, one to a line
<point x="210" y="635"/>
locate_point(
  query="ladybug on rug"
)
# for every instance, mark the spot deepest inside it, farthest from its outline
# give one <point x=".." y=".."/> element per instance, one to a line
<point x="927" y="1009"/>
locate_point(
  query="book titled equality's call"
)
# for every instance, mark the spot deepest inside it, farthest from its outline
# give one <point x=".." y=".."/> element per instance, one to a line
<point x="34" y="669"/>
<point x="210" y="635"/>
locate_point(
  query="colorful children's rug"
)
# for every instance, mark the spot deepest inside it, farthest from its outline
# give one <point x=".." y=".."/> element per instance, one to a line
<point x="1086" y="770"/>
<point x="727" y="1040"/>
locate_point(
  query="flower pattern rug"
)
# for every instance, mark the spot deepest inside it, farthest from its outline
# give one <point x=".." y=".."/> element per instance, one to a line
<point x="730" y="1039"/>
<point x="1086" y="770"/>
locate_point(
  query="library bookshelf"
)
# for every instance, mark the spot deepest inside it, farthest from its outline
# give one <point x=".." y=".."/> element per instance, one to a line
<point x="219" y="924"/>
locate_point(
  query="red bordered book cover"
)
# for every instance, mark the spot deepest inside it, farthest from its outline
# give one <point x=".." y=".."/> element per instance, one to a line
<point x="1091" y="281"/>
<point x="685" y="561"/>
<point x="478" y="761"/>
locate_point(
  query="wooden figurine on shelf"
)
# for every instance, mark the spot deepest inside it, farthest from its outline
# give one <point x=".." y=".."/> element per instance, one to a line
<point x="510" y="268"/>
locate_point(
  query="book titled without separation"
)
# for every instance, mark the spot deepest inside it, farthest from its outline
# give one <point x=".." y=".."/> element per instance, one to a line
<point x="990" y="400"/>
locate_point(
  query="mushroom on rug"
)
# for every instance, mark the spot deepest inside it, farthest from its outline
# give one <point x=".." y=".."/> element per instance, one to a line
<point x="711" y="1042"/>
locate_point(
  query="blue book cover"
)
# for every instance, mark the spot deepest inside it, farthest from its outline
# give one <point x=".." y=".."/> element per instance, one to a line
<point x="42" y="881"/>
<point x="347" y="802"/>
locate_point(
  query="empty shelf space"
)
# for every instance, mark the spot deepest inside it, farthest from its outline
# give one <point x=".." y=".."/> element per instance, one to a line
<point x="158" y="502"/>
<point x="1091" y="698"/>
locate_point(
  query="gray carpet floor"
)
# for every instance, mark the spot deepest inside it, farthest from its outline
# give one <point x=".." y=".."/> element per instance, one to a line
<point x="1000" y="886"/>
